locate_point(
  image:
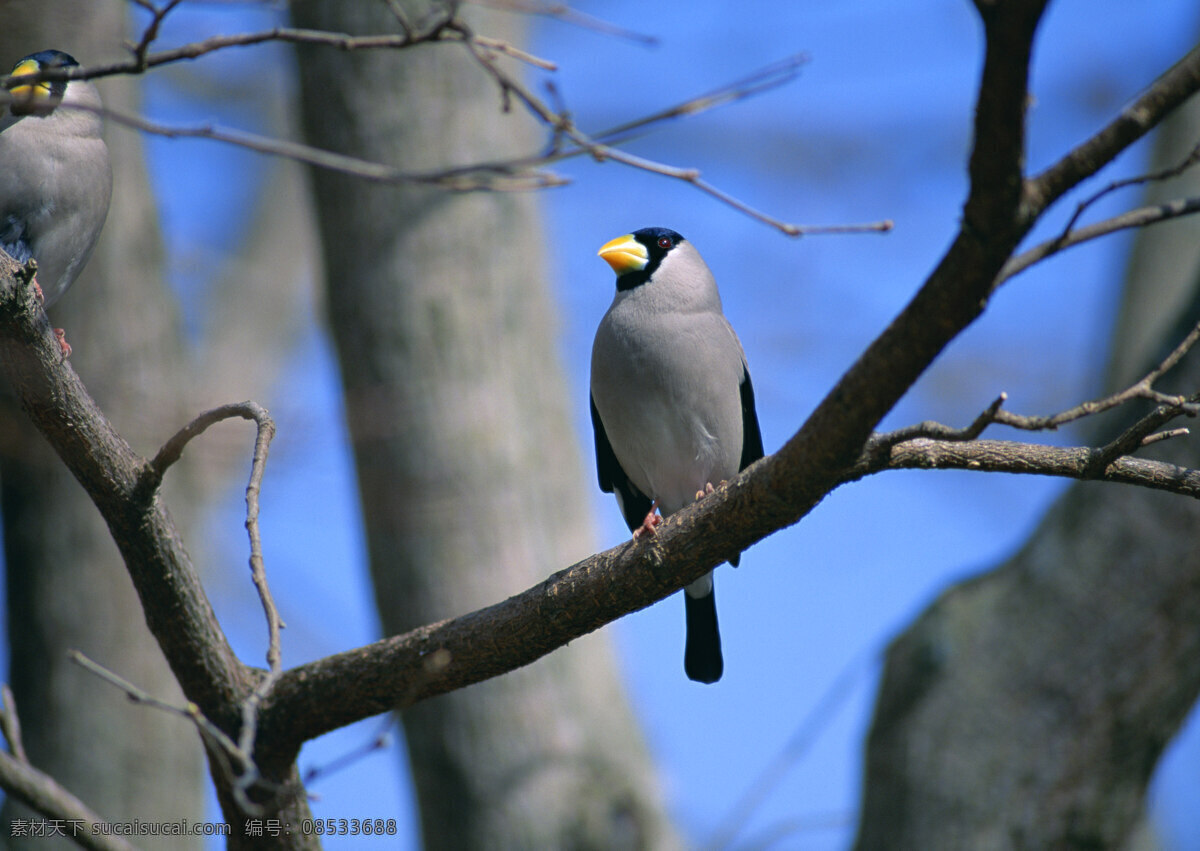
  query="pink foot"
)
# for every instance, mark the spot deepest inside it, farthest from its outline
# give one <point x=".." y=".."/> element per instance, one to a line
<point x="708" y="488"/>
<point x="648" y="524"/>
<point x="61" y="336"/>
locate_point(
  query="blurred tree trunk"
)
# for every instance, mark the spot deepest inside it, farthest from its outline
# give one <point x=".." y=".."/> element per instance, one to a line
<point x="459" y="415"/>
<point x="66" y="583"/>
<point x="1028" y="707"/>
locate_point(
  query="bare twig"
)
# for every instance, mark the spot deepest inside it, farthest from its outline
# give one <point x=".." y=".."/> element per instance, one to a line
<point x="488" y="177"/>
<point x="378" y="742"/>
<point x="561" y="126"/>
<point x="1143" y="433"/>
<point x="762" y="80"/>
<point x="150" y="33"/>
<point x="249" y="732"/>
<point x="10" y="724"/>
<point x="566" y="14"/>
<point x="936" y="430"/>
<point x="170" y="452"/>
<point x="173" y="449"/>
<point x="1141" y="217"/>
<point x="1142" y="389"/>
<point x="1140" y="434"/>
<point x="507" y="49"/>
<point x="521" y="174"/>
<point x="1160" y="436"/>
<point x="237" y="761"/>
<point x="1153" y="177"/>
<point x="189" y="711"/>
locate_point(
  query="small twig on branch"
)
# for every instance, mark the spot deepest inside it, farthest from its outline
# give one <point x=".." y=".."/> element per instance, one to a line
<point x="1165" y="435"/>
<point x="764" y="79"/>
<point x="1153" y="177"/>
<point x="1143" y="389"/>
<point x="507" y="49"/>
<point x="561" y="127"/>
<point x="237" y="762"/>
<point x="1140" y="434"/>
<point x="490" y="177"/>
<point x="10" y="724"/>
<point x="169" y="454"/>
<point x="1141" y="217"/>
<point x="173" y="449"/>
<point x="140" y="696"/>
<point x="937" y="431"/>
<point x="564" y="13"/>
<point x="150" y="33"/>
<point x="378" y="742"/>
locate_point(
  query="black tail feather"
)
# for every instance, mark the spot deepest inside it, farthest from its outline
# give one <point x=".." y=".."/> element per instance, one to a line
<point x="702" y="652"/>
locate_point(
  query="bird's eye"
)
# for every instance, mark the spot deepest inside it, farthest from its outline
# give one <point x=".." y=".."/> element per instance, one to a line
<point x="664" y="242"/>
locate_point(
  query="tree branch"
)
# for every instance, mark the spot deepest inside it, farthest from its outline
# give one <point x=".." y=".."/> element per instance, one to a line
<point x="1166" y="93"/>
<point x="522" y="174"/>
<point x="1141" y="217"/>
<point x="40" y="792"/>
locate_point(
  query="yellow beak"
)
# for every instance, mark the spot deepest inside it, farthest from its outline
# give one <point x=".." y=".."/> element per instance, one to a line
<point x="625" y="254"/>
<point x="27" y="95"/>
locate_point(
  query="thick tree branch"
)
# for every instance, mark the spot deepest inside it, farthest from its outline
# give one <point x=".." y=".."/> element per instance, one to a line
<point x="1005" y="456"/>
<point x="952" y="297"/>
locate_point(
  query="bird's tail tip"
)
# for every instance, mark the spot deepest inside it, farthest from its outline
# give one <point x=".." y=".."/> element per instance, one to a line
<point x="702" y="660"/>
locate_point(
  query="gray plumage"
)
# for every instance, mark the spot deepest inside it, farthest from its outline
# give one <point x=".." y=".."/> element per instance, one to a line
<point x="672" y="403"/>
<point x="55" y="178"/>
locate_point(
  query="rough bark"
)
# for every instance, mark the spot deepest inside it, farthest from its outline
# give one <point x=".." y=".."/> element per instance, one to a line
<point x="67" y="586"/>
<point x="464" y="449"/>
<point x="1028" y="707"/>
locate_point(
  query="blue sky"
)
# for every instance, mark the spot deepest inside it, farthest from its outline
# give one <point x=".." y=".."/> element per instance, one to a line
<point x="876" y="126"/>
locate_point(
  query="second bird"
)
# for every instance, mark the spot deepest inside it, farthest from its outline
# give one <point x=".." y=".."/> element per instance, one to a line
<point x="55" y="178"/>
<point x="672" y="403"/>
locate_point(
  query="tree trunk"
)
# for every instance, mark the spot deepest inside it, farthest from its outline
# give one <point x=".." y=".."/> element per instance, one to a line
<point x="465" y="453"/>
<point x="67" y="585"/>
<point x="1027" y="707"/>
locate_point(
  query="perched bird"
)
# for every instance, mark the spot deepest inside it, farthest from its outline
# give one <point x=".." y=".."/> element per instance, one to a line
<point x="55" y="177"/>
<point x="672" y="403"/>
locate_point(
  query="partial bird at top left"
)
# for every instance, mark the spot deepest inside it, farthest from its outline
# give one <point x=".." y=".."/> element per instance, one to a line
<point x="55" y="176"/>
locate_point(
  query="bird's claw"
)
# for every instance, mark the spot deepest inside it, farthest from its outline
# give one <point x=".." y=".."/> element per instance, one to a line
<point x="649" y="522"/>
<point x="61" y="336"/>
<point x="708" y="488"/>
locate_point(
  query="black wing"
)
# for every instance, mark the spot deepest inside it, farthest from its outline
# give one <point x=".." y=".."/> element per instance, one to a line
<point x="752" y="446"/>
<point x="634" y="504"/>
